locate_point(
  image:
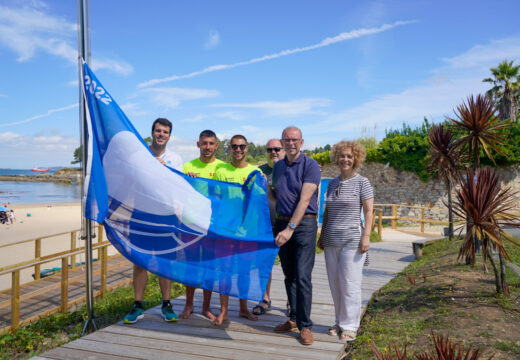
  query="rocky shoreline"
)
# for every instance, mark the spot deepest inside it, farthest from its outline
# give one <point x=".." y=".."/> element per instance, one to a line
<point x="65" y="175"/>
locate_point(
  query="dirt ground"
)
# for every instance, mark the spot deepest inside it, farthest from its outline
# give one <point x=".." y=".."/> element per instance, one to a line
<point x="448" y="298"/>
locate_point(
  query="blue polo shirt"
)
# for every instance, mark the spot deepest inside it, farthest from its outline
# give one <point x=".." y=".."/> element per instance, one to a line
<point x="288" y="181"/>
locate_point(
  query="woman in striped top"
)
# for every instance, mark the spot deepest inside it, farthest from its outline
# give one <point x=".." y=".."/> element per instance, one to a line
<point x="344" y="240"/>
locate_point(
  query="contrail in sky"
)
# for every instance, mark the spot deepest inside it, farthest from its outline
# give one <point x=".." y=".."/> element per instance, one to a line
<point x="325" y="42"/>
<point x="50" y="112"/>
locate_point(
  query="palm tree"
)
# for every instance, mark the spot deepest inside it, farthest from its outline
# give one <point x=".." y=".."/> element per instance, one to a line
<point x="506" y="89"/>
<point x="482" y="129"/>
<point x="486" y="206"/>
<point x="444" y="159"/>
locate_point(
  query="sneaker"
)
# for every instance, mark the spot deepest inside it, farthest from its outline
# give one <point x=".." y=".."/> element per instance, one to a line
<point x="135" y="314"/>
<point x="169" y="314"/>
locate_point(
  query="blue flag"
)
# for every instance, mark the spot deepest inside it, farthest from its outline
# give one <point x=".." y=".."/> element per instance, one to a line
<point x="202" y="233"/>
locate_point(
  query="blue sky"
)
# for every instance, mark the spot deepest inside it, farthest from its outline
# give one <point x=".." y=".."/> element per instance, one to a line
<point x="336" y="69"/>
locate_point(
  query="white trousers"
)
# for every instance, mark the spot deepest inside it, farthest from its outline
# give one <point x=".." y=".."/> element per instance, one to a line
<point x="345" y="271"/>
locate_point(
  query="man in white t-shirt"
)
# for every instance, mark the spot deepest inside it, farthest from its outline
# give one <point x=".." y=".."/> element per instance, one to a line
<point x="161" y="132"/>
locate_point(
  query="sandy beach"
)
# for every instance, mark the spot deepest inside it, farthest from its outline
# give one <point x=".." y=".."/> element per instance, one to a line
<point x="43" y="220"/>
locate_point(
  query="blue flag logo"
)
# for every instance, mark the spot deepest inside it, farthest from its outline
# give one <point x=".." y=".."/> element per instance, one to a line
<point x="202" y="233"/>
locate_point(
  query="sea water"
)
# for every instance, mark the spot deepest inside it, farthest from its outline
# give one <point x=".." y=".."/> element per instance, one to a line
<point x="25" y="192"/>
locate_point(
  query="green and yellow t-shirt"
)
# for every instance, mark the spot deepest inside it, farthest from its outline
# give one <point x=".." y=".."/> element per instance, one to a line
<point x="202" y="169"/>
<point x="229" y="173"/>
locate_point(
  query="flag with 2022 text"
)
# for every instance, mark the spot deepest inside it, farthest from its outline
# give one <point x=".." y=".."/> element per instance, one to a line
<point x="202" y="233"/>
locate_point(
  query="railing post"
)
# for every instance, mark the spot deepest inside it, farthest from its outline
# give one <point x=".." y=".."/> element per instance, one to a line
<point x="394" y="217"/>
<point x="422" y="219"/>
<point x="37" y="255"/>
<point x="73" y="247"/>
<point x="15" y="299"/>
<point x="104" y="260"/>
<point x="64" y="284"/>
<point x="380" y="224"/>
<point x="373" y="225"/>
<point x="100" y="240"/>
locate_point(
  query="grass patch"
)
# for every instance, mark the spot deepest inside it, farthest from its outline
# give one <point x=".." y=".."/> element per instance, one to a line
<point x="374" y="237"/>
<point x="58" y="329"/>
<point x="449" y="298"/>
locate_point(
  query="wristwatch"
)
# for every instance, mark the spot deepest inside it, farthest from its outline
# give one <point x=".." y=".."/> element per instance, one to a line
<point x="292" y="226"/>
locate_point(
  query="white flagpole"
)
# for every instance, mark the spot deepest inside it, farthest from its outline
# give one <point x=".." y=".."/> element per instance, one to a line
<point x="86" y="228"/>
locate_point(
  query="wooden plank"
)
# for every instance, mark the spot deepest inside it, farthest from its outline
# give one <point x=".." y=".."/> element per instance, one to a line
<point x="15" y="299"/>
<point x="76" y="354"/>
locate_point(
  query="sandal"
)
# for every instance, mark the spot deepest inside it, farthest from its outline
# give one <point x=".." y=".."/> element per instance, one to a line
<point x="260" y="309"/>
<point x="334" y="330"/>
<point x="348" y="335"/>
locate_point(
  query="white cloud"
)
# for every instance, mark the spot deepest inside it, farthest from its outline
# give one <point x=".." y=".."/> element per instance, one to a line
<point x="193" y="119"/>
<point x="32" y="118"/>
<point x="186" y="148"/>
<point x="170" y="98"/>
<point x="28" y="29"/>
<point x="119" y="67"/>
<point x="3" y="96"/>
<point x="325" y="42"/>
<point x="486" y="55"/>
<point x="134" y="109"/>
<point x="231" y="115"/>
<point x="8" y="138"/>
<point x="212" y="41"/>
<point x="290" y="108"/>
<point x="435" y="98"/>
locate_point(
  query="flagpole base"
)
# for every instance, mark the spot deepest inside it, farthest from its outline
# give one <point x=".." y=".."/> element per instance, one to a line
<point x="90" y="324"/>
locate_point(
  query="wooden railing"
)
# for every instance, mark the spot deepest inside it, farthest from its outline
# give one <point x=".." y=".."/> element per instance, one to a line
<point x="65" y="257"/>
<point x="379" y="210"/>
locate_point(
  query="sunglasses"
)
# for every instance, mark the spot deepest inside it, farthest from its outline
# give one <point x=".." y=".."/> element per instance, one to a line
<point x="288" y="141"/>
<point x="276" y="149"/>
<point x="241" y="146"/>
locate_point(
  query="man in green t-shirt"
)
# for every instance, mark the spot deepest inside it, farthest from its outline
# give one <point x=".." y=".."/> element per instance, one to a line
<point x="204" y="166"/>
<point x="237" y="171"/>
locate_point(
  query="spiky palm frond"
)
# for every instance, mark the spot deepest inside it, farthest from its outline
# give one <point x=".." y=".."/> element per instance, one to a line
<point x="444" y="157"/>
<point x="486" y="207"/>
<point x="476" y="118"/>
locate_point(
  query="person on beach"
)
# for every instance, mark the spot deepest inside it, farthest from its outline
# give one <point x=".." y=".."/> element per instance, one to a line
<point x="237" y="171"/>
<point x="295" y="187"/>
<point x="274" y="152"/>
<point x="204" y="166"/>
<point x="343" y="239"/>
<point x="161" y="132"/>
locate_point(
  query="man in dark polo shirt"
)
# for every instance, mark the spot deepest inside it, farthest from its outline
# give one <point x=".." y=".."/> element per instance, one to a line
<point x="295" y="187"/>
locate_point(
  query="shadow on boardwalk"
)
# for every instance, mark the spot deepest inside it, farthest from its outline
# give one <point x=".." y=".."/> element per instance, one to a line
<point x="196" y="338"/>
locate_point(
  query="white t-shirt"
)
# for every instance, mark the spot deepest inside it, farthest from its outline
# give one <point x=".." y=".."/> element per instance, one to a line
<point x="172" y="159"/>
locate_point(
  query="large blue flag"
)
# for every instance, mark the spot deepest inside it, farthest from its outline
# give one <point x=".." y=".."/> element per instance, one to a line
<point x="203" y="233"/>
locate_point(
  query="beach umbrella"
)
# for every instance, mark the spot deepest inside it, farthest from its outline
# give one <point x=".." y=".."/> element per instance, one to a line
<point x="3" y="208"/>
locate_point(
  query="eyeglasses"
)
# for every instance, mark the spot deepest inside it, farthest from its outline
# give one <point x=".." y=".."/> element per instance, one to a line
<point x="236" y="146"/>
<point x="276" y="149"/>
<point x="290" y="140"/>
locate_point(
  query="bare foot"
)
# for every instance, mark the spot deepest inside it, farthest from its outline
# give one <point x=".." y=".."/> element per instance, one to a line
<point x="246" y="314"/>
<point x="207" y="313"/>
<point x="220" y="319"/>
<point x="188" y="310"/>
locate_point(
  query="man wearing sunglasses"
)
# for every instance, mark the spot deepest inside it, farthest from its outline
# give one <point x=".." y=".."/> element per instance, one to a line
<point x="274" y="152"/>
<point x="237" y="171"/>
<point x="295" y="187"/>
<point x="204" y="166"/>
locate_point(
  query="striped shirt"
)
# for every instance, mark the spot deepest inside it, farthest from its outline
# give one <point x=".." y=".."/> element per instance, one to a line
<point x="344" y="204"/>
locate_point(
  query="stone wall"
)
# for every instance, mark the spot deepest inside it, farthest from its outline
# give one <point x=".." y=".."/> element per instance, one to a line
<point x="392" y="186"/>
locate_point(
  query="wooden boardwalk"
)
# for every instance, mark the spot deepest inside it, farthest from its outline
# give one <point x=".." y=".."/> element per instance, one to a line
<point x="196" y="338"/>
<point x="42" y="297"/>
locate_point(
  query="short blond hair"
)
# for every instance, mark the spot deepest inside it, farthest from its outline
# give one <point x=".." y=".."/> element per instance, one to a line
<point x="357" y="150"/>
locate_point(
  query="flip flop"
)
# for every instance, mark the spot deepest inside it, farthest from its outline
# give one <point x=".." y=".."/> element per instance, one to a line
<point x="260" y="309"/>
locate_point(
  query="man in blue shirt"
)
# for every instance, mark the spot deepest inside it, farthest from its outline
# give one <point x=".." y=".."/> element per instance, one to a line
<point x="295" y="187"/>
